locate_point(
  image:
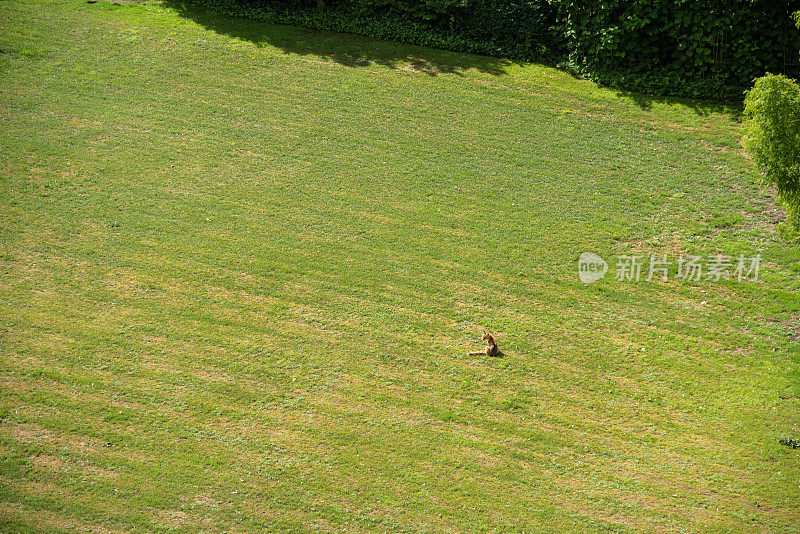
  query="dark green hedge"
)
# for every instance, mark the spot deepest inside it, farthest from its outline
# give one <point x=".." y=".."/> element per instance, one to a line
<point x="697" y="48"/>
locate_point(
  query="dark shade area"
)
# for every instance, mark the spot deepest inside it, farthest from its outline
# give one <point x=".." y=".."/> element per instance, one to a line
<point x="358" y="51"/>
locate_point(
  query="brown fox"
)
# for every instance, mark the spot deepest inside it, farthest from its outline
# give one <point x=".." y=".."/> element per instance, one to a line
<point x="491" y="346"/>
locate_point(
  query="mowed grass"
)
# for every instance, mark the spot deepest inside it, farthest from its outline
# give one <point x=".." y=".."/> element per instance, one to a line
<point x="242" y="267"/>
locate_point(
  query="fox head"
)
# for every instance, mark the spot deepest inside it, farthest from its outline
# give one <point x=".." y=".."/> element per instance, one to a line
<point x="486" y="335"/>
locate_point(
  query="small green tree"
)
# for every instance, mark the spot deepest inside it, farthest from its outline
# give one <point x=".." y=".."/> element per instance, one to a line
<point x="772" y="136"/>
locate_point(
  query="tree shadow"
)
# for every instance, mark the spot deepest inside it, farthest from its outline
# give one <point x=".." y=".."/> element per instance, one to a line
<point x="703" y="108"/>
<point x="349" y="50"/>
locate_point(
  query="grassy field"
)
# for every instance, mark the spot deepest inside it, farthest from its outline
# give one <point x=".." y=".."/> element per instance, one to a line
<point x="242" y="267"/>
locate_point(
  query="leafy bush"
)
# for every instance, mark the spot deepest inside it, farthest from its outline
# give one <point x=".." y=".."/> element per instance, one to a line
<point x="772" y="136"/>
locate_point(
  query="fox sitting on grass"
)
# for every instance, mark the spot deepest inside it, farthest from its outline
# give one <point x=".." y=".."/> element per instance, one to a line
<point x="491" y="346"/>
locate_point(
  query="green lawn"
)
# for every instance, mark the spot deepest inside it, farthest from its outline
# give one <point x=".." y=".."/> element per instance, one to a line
<point x="242" y="266"/>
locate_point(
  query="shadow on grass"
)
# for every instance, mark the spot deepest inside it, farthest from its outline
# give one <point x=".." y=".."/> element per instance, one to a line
<point x="478" y="354"/>
<point x="347" y="49"/>
<point x="703" y="108"/>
